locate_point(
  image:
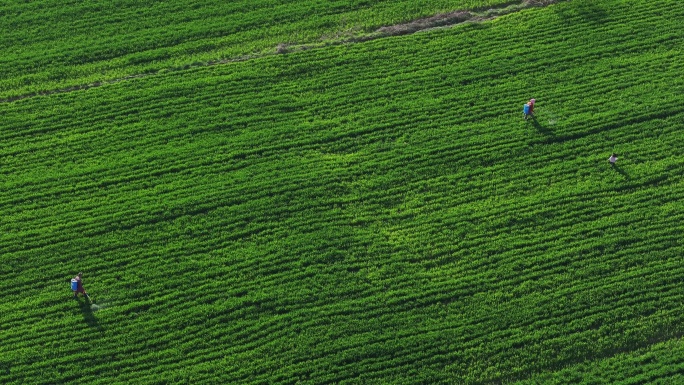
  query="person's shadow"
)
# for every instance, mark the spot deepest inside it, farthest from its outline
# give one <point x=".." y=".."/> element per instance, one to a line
<point x="620" y="171"/>
<point x="88" y="315"/>
<point x="541" y="129"/>
<point x="587" y="11"/>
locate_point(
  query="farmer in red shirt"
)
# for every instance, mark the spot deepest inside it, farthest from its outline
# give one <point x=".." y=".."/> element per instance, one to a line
<point x="532" y="101"/>
<point x="528" y="109"/>
<point x="77" y="285"/>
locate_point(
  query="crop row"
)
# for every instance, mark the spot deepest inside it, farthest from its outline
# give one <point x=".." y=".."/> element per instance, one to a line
<point x="660" y="363"/>
<point x="50" y="45"/>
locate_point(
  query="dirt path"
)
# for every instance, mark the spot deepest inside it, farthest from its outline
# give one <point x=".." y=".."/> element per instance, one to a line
<point x="442" y="20"/>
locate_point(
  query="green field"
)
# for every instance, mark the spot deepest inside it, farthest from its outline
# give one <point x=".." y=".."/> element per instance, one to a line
<point x="369" y="212"/>
<point x="48" y="44"/>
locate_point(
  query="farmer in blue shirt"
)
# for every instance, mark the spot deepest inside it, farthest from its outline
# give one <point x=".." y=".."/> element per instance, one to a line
<point x="77" y="285"/>
<point x="528" y="109"/>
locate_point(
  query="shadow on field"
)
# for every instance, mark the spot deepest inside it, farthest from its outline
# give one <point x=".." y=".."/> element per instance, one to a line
<point x="541" y="129"/>
<point x="585" y="10"/>
<point x="620" y="171"/>
<point x="88" y="315"/>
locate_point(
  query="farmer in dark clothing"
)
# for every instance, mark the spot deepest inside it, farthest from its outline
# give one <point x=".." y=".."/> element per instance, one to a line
<point x="77" y="285"/>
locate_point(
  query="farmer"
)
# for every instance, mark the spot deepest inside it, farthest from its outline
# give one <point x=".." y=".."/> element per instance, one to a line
<point x="527" y="110"/>
<point x="613" y="158"/>
<point x="77" y="285"/>
<point x="532" y="101"/>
